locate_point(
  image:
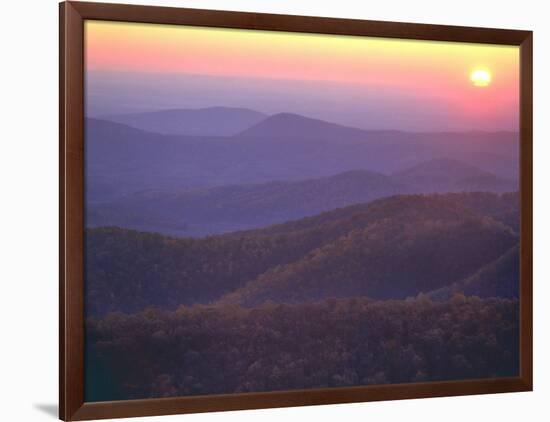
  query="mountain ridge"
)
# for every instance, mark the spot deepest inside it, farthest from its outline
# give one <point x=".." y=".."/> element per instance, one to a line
<point x="291" y="125"/>
<point x="208" y="121"/>
<point x="208" y="211"/>
<point x="235" y="207"/>
<point x="129" y="270"/>
<point x="121" y="159"/>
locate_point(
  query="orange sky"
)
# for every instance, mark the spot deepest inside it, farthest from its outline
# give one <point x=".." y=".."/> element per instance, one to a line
<point x="436" y="69"/>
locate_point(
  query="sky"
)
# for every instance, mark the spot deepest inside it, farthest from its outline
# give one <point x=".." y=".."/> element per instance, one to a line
<point x="367" y="82"/>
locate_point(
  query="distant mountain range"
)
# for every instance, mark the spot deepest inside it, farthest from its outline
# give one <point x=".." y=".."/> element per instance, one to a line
<point x="447" y="175"/>
<point x="212" y="121"/>
<point x="389" y="249"/>
<point x="122" y="159"/>
<point x="277" y="168"/>
<point x="199" y="212"/>
<point x="207" y="211"/>
<point x="284" y="126"/>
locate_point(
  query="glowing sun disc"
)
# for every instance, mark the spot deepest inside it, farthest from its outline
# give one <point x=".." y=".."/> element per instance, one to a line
<point x="480" y="77"/>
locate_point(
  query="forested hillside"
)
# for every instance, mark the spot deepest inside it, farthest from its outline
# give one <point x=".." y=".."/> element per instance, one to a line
<point x="335" y="343"/>
<point x="391" y="248"/>
<point x="498" y="278"/>
<point x="385" y="260"/>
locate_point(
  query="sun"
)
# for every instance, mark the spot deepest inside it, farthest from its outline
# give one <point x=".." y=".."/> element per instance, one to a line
<point x="480" y="77"/>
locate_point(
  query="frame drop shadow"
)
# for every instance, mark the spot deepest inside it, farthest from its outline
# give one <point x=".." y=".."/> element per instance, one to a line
<point x="50" y="409"/>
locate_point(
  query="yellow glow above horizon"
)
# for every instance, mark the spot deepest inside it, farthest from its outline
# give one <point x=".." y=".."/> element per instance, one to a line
<point x="432" y="72"/>
<point x="155" y="48"/>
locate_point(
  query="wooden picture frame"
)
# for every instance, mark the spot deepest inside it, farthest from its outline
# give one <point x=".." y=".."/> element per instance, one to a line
<point x="71" y="205"/>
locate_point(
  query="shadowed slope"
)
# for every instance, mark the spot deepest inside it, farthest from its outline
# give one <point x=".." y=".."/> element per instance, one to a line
<point x="392" y="247"/>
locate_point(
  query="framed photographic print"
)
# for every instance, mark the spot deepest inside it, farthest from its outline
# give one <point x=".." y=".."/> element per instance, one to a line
<point x="266" y="210"/>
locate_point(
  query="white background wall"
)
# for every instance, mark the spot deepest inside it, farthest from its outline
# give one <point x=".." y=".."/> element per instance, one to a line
<point x="29" y="212"/>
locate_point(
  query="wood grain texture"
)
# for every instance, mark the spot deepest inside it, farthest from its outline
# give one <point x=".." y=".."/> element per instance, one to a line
<point x="526" y="223"/>
<point x="71" y="207"/>
<point x="177" y="405"/>
<point x="71" y="210"/>
<point x="293" y="23"/>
